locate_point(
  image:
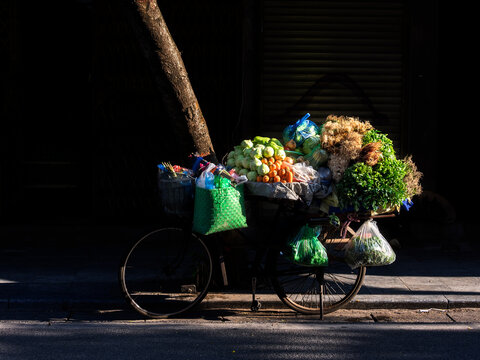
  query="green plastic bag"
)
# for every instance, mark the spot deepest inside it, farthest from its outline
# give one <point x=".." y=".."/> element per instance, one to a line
<point x="305" y="248"/>
<point x="218" y="210"/>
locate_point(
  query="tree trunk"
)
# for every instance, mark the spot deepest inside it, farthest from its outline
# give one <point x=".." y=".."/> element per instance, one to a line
<point x="170" y="75"/>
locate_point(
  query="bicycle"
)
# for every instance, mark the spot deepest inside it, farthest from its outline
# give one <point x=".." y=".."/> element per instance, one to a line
<point x="169" y="271"/>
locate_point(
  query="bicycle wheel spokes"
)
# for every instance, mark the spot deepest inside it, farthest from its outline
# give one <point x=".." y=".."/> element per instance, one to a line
<point x="300" y="287"/>
<point x="339" y="282"/>
<point x="166" y="273"/>
<point x="295" y="284"/>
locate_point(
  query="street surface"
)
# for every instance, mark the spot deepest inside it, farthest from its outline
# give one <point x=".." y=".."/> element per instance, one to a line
<point x="230" y="334"/>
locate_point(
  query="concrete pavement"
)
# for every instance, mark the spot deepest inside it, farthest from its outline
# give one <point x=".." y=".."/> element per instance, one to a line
<point x="65" y="270"/>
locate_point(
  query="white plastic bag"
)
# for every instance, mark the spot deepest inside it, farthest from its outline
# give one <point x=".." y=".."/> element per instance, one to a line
<point x="304" y="172"/>
<point x="368" y="247"/>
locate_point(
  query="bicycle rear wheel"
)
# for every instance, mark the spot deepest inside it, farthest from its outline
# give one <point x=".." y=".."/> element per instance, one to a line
<point x="166" y="273"/>
<point x="305" y="289"/>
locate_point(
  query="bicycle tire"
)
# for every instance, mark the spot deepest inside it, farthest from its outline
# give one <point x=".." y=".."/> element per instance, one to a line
<point x="165" y="273"/>
<point x="298" y="286"/>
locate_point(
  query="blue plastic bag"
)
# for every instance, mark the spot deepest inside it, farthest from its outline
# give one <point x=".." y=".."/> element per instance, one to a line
<point x="300" y="131"/>
<point x="407" y="204"/>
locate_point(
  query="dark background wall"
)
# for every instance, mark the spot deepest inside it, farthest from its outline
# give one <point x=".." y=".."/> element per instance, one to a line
<point x="83" y="127"/>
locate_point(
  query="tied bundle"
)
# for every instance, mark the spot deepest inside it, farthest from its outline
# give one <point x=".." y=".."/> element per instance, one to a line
<point x="370" y="154"/>
<point x="342" y="138"/>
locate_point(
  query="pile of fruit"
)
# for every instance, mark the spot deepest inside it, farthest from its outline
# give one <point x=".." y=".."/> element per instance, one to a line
<point x="262" y="159"/>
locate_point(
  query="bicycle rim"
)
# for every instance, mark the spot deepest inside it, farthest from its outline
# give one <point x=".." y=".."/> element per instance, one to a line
<point x="299" y="287"/>
<point x="166" y="273"/>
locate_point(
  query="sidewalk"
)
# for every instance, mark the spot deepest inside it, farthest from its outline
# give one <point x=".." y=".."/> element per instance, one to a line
<point x="77" y="272"/>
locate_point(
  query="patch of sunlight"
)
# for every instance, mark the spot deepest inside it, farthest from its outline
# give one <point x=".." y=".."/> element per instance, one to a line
<point x="6" y="281"/>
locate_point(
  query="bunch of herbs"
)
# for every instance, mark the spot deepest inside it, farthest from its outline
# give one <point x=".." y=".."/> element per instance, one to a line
<point x="373" y="136"/>
<point x="369" y="187"/>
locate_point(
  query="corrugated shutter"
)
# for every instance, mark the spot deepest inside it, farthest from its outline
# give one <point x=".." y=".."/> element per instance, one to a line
<point x="333" y="57"/>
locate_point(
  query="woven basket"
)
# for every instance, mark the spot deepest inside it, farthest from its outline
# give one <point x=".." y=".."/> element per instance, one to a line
<point x="176" y="196"/>
<point x="219" y="210"/>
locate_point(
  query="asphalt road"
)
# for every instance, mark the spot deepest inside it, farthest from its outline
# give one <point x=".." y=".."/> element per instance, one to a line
<point x="254" y="339"/>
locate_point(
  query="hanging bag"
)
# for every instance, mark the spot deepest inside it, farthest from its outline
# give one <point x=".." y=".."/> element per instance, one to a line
<point x="219" y="209"/>
<point x="305" y="249"/>
<point x="368" y="247"/>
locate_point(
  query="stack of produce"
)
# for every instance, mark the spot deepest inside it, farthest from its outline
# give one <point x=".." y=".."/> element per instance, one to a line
<point x="374" y="178"/>
<point x="364" y="168"/>
<point x="262" y="159"/>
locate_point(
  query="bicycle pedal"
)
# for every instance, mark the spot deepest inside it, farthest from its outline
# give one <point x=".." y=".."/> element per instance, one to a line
<point x="188" y="289"/>
<point x="256" y="305"/>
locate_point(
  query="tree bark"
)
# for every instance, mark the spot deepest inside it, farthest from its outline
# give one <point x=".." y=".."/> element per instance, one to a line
<point x="170" y="74"/>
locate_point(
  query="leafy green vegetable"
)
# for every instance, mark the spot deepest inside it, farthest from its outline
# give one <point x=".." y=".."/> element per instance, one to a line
<point x="371" y="187"/>
<point x="374" y="135"/>
<point x="306" y="249"/>
<point x="317" y="157"/>
<point x="268" y="152"/>
<point x="310" y="143"/>
<point x="372" y="251"/>
<point x="246" y="143"/>
<point x="251" y="175"/>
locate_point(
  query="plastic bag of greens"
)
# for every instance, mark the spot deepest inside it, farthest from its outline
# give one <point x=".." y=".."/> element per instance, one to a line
<point x="317" y="157"/>
<point x="305" y="248"/>
<point x="294" y="135"/>
<point x="368" y="247"/>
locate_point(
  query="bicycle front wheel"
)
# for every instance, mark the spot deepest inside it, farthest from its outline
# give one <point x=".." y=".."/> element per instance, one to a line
<point x="314" y="290"/>
<point x="166" y="273"/>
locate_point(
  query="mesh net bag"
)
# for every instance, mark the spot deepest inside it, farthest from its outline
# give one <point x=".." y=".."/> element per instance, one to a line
<point x="217" y="210"/>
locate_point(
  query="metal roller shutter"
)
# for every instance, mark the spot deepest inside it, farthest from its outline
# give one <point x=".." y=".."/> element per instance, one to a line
<point x="340" y="57"/>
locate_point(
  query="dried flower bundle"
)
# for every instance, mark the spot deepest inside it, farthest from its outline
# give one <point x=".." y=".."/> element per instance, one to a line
<point x="342" y="137"/>
<point x="370" y="154"/>
<point x="343" y="134"/>
<point x="412" y="178"/>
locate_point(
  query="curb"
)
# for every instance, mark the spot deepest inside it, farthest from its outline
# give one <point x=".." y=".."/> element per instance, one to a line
<point x="271" y="301"/>
<point x="244" y="301"/>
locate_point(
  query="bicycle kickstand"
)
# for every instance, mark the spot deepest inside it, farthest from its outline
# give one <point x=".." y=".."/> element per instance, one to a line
<point x="321" y="282"/>
<point x="321" y="301"/>
<point x="256" y="305"/>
